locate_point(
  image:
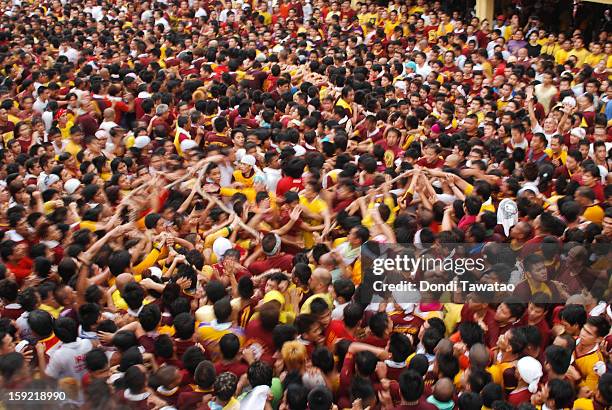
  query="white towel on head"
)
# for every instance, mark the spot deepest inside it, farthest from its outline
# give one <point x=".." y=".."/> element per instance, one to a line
<point x="530" y="371"/>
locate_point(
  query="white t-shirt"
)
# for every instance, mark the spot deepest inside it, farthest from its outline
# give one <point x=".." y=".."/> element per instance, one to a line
<point x="424" y="70"/>
<point x="40" y="106"/>
<point x="272" y="178"/>
<point x="69" y="360"/>
<point x="338" y="312"/>
<point x="108" y="125"/>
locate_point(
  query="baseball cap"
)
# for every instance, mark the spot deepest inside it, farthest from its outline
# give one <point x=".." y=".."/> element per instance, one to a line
<point x="101" y="134"/>
<point x="578" y="132"/>
<point x="248" y="160"/>
<point x="71" y="185"/>
<point x="141" y="141"/>
<point x="186" y="145"/>
<point x="50" y="180"/>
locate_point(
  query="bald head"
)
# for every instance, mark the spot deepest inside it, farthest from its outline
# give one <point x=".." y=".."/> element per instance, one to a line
<point x="326" y="260"/>
<point x="109" y="114"/>
<point x="320" y="280"/>
<point x="123" y="279"/>
<point x="443" y="390"/>
<point x="445" y="346"/>
<point x="479" y="356"/>
<point x="452" y="161"/>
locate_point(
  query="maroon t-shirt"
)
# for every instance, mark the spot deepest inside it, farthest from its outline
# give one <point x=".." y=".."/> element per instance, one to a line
<point x="281" y="261"/>
<point x="257" y="335"/>
<point x="236" y="367"/>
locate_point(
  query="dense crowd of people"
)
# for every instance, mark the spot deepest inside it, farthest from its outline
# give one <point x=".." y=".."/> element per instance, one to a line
<point x="186" y="188"/>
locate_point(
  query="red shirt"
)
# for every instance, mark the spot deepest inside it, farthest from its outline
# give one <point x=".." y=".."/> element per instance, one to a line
<point x="375" y="341"/>
<point x="403" y="323"/>
<point x="599" y="192"/>
<point x="421" y="405"/>
<point x="337" y="331"/>
<point x="281" y="261"/>
<point x="11" y="311"/>
<point x="438" y="163"/>
<point x="21" y="269"/>
<point x="286" y="184"/>
<point x="236" y="367"/>
<point x="257" y="335"/>
<point x="491" y="336"/>
<point x="517" y="397"/>
<point x="182" y="345"/>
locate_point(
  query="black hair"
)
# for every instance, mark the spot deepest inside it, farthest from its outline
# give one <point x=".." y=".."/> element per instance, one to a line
<point x="229" y="345"/>
<point x="558" y="358"/>
<point x="96" y="360"/>
<point x="149" y="317"/>
<point x="400" y="347"/>
<point x="365" y="362"/>
<point x="184" y="325"/>
<point x="260" y="374"/>
<point x="41" y="323"/>
<point x="378" y="324"/>
<point x="411" y="385"/>
<point x="320" y="398"/>
<point x="574" y="315"/>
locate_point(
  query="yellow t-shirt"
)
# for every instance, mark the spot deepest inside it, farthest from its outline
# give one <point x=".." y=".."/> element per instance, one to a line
<point x="594" y="59"/>
<point x="55" y="312"/>
<point x="66" y="130"/>
<point x="246" y="182"/>
<point x="368" y="222"/>
<point x="211" y="333"/>
<point x="390" y="26"/>
<point x="561" y="56"/>
<point x="72" y="148"/>
<point x="317" y="206"/>
<point x="445" y="29"/>
<point x="581" y="55"/>
<point x="562" y="156"/>
<point x="486" y="206"/>
<point x="497" y="373"/>
<point x="326" y="296"/>
<point x="585" y="365"/>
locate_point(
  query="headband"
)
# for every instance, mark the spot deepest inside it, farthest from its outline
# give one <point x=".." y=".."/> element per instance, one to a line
<point x="276" y="248"/>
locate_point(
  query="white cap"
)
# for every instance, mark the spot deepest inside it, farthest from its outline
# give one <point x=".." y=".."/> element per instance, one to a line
<point x="141" y="141"/>
<point x="240" y="152"/>
<point x="50" y="180"/>
<point x="529" y="187"/>
<point x="155" y="271"/>
<point x="248" y="160"/>
<point x="186" y="145"/>
<point x="220" y="246"/>
<point x="102" y="134"/>
<point x="578" y="132"/>
<point x="72" y="185"/>
<point x="571" y="101"/>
